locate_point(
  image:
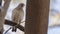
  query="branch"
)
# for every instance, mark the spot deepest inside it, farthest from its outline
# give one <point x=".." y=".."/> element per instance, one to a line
<point x="3" y="12"/>
<point x="5" y="7"/>
<point x="7" y="22"/>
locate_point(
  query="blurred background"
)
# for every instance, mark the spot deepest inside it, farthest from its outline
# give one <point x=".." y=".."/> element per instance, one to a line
<point x="54" y="17"/>
<point x="14" y="4"/>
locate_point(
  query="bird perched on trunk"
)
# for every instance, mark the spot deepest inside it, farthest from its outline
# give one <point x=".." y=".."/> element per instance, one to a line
<point x="18" y="14"/>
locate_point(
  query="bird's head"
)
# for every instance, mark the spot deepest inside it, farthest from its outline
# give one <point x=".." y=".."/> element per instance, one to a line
<point x="21" y="5"/>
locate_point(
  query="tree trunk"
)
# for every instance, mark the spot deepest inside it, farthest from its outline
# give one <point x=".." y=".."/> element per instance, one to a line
<point x="37" y="13"/>
<point x="3" y="13"/>
<point x="0" y="2"/>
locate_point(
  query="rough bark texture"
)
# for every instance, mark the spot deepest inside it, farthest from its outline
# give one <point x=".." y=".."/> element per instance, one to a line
<point x="3" y="13"/>
<point x="37" y="17"/>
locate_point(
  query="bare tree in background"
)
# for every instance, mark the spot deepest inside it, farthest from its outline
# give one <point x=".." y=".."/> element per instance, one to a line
<point x="3" y="13"/>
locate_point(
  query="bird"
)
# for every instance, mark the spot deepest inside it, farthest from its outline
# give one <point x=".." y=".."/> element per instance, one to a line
<point x="17" y="15"/>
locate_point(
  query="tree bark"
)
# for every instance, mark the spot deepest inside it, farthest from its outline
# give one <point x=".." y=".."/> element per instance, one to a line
<point x="37" y="13"/>
<point x="3" y="13"/>
<point x="0" y="2"/>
